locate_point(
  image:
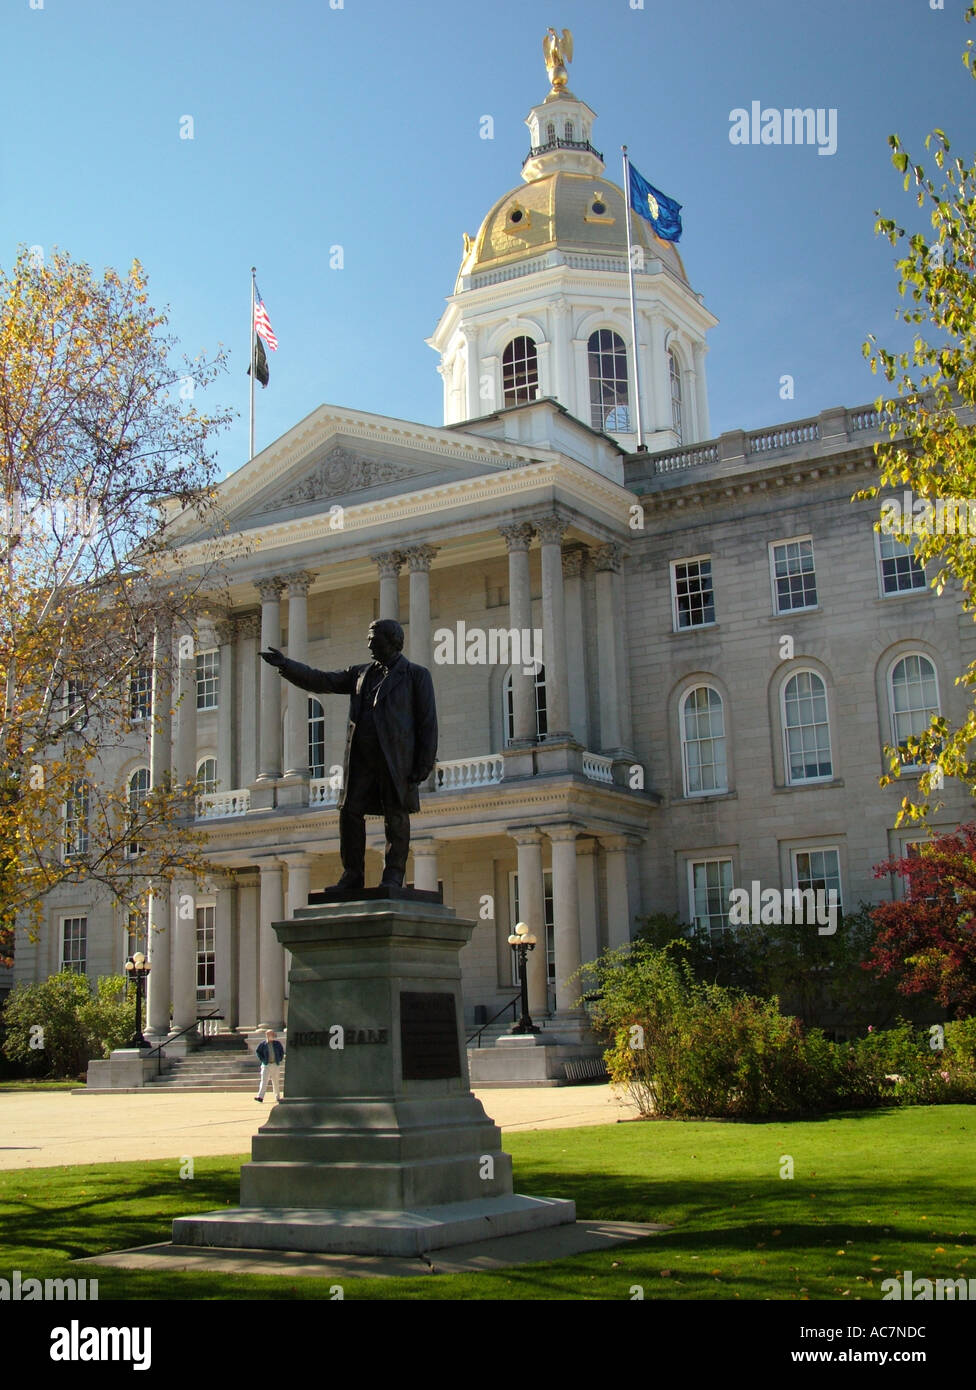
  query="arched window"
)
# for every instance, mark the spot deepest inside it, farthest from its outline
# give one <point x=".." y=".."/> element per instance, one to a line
<point x="207" y="777"/>
<point x="914" y="700"/>
<point x="550" y="132"/>
<point x="541" y="723"/>
<point x="675" y="373"/>
<point x="703" y="742"/>
<point x="609" y="394"/>
<point x="520" y="371"/>
<point x="138" y="791"/>
<point x="568" y="130"/>
<point x="316" y="738"/>
<point x="807" y="729"/>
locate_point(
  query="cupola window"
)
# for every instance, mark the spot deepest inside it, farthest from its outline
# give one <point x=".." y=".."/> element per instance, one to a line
<point x="520" y="371"/>
<point x="609" y="391"/>
<point x="551" y="132"/>
<point x="675" y="374"/>
<point x="568" y="130"/>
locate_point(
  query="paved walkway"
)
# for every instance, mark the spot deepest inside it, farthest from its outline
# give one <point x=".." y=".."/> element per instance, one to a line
<point x="39" y="1130"/>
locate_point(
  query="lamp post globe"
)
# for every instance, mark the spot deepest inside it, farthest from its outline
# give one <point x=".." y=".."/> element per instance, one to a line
<point x="522" y="941"/>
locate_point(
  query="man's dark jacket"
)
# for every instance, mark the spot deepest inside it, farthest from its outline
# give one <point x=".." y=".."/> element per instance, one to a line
<point x="275" y="1055"/>
<point x="404" y="716"/>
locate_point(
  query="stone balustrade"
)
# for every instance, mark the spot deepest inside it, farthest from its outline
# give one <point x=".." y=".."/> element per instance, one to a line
<point x="597" y="768"/>
<point x="458" y="773"/>
<point x="215" y="805"/>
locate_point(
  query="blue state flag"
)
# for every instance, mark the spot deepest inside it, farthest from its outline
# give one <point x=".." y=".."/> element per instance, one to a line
<point x="663" y="213"/>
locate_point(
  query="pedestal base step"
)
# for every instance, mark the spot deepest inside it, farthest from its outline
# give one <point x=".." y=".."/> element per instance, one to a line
<point x="335" y="1231"/>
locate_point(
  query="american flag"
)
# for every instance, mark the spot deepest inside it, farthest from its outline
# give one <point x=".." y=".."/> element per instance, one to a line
<point x="262" y="324"/>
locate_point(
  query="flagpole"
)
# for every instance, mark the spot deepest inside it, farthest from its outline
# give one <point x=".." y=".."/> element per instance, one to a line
<point x="633" y="304"/>
<point x="251" y="363"/>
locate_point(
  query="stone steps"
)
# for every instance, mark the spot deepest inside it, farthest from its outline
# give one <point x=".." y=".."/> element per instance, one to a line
<point x="223" y="1064"/>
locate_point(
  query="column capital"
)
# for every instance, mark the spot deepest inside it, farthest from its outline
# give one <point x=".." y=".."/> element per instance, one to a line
<point x="424" y="847"/>
<point x="270" y="589"/>
<point x="525" y="834"/>
<point x="609" y="557"/>
<point x="226" y="630"/>
<point x="587" y="846"/>
<point x="517" y="535"/>
<point x="564" y="832"/>
<point x="624" y="841"/>
<point x="388" y="562"/>
<point x="551" y="528"/>
<point x="248" y="626"/>
<point x="419" y="557"/>
<point x="574" y="561"/>
<point x="299" y="582"/>
<point x="299" y="860"/>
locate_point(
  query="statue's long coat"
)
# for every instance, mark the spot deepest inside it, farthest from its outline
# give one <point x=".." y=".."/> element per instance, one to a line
<point x="404" y="715"/>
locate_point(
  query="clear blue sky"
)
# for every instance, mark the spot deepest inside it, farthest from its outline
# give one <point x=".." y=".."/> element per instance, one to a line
<point x="359" y="126"/>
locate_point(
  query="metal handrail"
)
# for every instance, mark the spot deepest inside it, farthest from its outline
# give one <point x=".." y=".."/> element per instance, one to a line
<point x="159" y="1046"/>
<point x="510" y="1005"/>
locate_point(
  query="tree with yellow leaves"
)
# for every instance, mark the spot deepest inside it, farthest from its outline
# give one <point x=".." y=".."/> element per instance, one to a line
<point x="98" y="429"/>
<point x="931" y="449"/>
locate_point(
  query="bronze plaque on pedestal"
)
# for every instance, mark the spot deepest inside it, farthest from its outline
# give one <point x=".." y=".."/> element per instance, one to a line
<point x="429" y="1037"/>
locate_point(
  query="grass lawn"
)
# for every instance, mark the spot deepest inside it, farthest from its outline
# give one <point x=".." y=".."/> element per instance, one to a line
<point x="40" y="1085"/>
<point x="872" y="1193"/>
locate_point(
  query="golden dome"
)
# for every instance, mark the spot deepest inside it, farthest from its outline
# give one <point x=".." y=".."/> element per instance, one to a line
<point x="571" y="212"/>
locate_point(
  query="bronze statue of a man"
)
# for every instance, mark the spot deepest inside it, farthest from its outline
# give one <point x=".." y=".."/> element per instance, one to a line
<point x="391" y="745"/>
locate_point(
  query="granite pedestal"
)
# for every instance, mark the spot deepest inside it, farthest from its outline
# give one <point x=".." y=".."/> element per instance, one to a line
<point x="380" y="1146"/>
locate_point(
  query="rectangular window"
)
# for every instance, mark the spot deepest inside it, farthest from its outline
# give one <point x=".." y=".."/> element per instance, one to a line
<point x="817" y="869"/>
<point x="900" y="571"/>
<point x="208" y="679"/>
<point x="206" y="947"/>
<point x="74" y="698"/>
<point x="74" y="944"/>
<point x="140" y="693"/>
<point x="793" y="574"/>
<point x="137" y="934"/>
<point x="710" y="883"/>
<point x="692" y="593"/>
<point x="76" y="821"/>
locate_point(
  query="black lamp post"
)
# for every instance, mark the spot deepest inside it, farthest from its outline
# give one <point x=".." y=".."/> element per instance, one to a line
<point x="522" y="942"/>
<point x="137" y="968"/>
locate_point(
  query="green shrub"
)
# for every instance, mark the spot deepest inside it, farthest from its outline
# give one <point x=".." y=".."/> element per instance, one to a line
<point x="56" y="1027"/>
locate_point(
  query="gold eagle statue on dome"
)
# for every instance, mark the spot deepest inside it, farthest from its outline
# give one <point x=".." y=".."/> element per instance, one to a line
<point x="557" y="53"/>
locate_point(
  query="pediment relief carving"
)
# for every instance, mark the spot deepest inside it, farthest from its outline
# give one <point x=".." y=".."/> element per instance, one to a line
<point x="338" y="474"/>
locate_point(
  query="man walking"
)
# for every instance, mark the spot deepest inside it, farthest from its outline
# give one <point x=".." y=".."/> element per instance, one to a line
<point x="270" y="1053"/>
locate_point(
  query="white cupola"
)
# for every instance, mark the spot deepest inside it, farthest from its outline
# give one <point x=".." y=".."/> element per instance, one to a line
<point x="541" y="305"/>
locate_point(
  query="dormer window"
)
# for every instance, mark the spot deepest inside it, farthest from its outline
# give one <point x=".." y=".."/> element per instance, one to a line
<point x="518" y="220"/>
<point x="598" y="208"/>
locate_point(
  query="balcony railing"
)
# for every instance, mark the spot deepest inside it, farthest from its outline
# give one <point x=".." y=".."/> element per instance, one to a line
<point x="455" y="774"/>
<point x="459" y="773"/>
<point x="215" y="805"/>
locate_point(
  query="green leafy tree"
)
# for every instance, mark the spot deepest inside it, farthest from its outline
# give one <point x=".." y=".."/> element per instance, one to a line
<point x="56" y="1027"/>
<point x="931" y="448"/>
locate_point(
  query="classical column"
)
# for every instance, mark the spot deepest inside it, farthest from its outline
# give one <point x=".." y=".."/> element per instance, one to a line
<point x="160" y="952"/>
<point x="661" y="376"/>
<point x="248" y="661"/>
<point x="608" y="614"/>
<point x="701" y="393"/>
<point x="269" y="758"/>
<point x="418" y="557"/>
<point x="574" y="561"/>
<point x="226" y="631"/>
<point x="424" y="864"/>
<point x="622" y="900"/>
<point x="185" y="745"/>
<point x="588" y="898"/>
<point x="271" y="954"/>
<point x="472" y="372"/>
<point x="225" y="954"/>
<point x="532" y="910"/>
<point x="559" y="318"/>
<point x="160" y="757"/>
<point x="551" y="530"/>
<point x="299" y="876"/>
<point x="518" y="538"/>
<point x="247" y="950"/>
<point x="388" y="563"/>
<point x="296" y="717"/>
<point x="566" y="916"/>
<point x="184" y="919"/>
